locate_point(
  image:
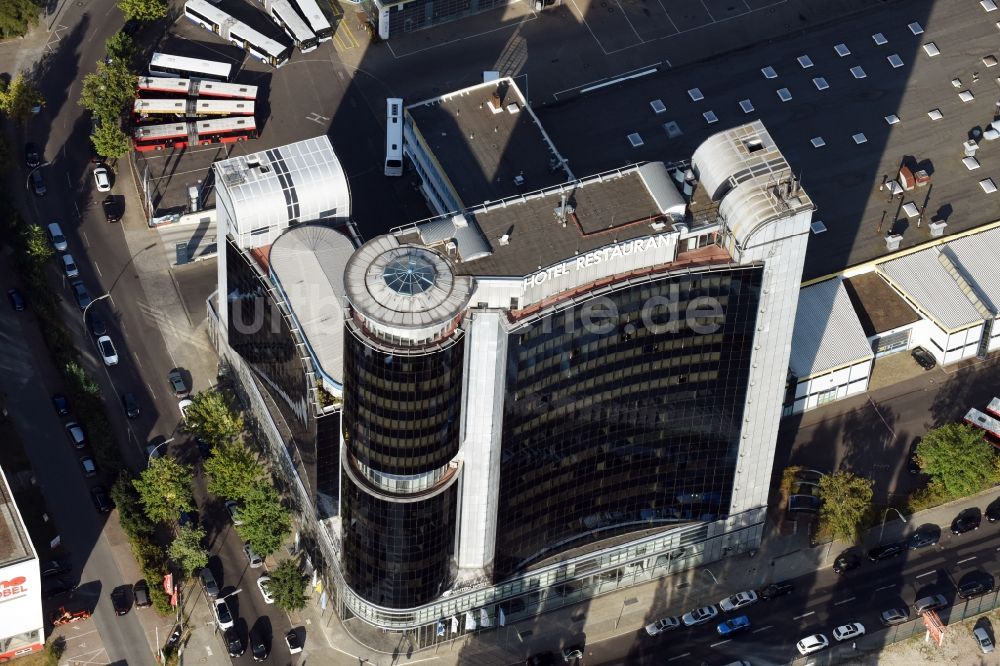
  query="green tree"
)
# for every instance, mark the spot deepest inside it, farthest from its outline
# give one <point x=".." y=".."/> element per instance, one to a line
<point x="847" y="501"/>
<point x="165" y="489"/>
<point x="143" y="10"/>
<point x="107" y="92"/>
<point x="19" y="99"/>
<point x="130" y="514"/>
<point x="187" y="551"/>
<point x="266" y="522"/>
<point x="17" y="17"/>
<point x="233" y="471"/>
<point x="288" y="586"/>
<point x="36" y="245"/>
<point x="110" y="141"/>
<point x="121" y="47"/>
<point x="958" y="460"/>
<point x="210" y="417"/>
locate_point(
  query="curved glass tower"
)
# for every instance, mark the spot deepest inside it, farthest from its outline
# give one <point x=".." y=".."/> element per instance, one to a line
<point x="403" y="365"/>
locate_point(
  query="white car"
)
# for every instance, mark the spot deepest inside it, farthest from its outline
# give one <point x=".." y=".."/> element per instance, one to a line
<point x="69" y="266"/>
<point x="183" y="406"/>
<point x="846" y="632"/>
<point x="108" y="351"/>
<point x="102" y="178"/>
<point x="222" y="614"/>
<point x="56" y="237"/>
<point x="738" y="601"/>
<point x="666" y="624"/>
<point x="699" y="616"/>
<point x="264" y="585"/>
<point x="813" y="643"/>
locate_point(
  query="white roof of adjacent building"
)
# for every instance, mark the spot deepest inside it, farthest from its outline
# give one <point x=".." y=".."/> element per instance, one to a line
<point x="976" y="257"/>
<point x="275" y="188"/>
<point x="828" y="334"/>
<point x="926" y="281"/>
<point x="308" y="263"/>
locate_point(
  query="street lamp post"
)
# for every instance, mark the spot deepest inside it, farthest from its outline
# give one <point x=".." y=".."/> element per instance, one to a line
<point x="884" y="515"/>
<point x="709" y="572"/>
<point x="84" y="315"/>
<point x="149" y="458"/>
<point x="28" y="179"/>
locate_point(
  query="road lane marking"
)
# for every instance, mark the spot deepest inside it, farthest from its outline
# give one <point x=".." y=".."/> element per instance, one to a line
<point x="799" y="617"/>
<point x="137" y="362"/>
<point x="86" y="243"/>
<point x="720" y="643"/>
<point x="968" y="559"/>
<point x="151" y="391"/>
<point x="680" y="656"/>
<point x="847" y="601"/>
<point x="98" y="269"/>
<point x="757" y="631"/>
<point x="884" y="587"/>
<point x="929" y="573"/>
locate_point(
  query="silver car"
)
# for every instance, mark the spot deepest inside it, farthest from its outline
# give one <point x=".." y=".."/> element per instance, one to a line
<point x="699" y="616"/>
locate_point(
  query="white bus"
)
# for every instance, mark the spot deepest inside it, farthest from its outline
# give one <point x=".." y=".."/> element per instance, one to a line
<point x="316" y="19"/>
<point x="394" y="136"/>
<point x="215" y="20"/>
<point x="282" y="13"/>
<point x="174" y="66"/>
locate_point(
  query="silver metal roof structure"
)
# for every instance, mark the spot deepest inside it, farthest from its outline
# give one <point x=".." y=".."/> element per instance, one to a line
<point x="307" y="264"/>
<point x="828" y="334"/>
<point x="264" y="193"/>
<point x="925" y="280"/>
<point x="976" y="257"/>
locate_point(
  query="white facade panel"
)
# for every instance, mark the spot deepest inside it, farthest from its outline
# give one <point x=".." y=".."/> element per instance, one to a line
<point x="20" y="599"/>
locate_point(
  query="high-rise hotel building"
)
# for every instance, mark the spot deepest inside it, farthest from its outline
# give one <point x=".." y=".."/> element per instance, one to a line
<point x="522" y="403"/>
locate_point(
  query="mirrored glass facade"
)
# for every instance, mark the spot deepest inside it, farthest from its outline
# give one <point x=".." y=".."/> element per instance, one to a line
<point x="622" y="413"/>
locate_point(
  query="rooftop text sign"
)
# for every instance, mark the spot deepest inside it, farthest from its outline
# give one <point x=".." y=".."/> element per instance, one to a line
<point x="603" y="255"/>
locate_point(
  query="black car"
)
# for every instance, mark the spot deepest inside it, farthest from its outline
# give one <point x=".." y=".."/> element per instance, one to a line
<point x="966" y="521"/>
<point x="61" y="403"/>
<point x="923" y="358"/>
<point x="121" y="599"/>
<point x="16" y="299"/>
<point x="775" y="590"/>
<point x="204" y="448"/>
<point x="845" y="562"/>
<point x="923" y="537"/>
<point x="32" y="155"/>
<point x="912" y="461"/>
<point x="131" y="27"/>
<point x="81" y="294"/>
<point x="97" y="325"/>
<point x="260" y="646"/>
<point x="55" y="568"/>
<point x="234" y="643"/>
<point x="131" y="405"/>
<point x="993" y="511"/>
<point x="885" y="552"/>
<point x="975" y="588"/>
<point x="101" y="500"/>
<point x="541" y="659"/>
<point x="38" y="183"/>
<point x="140" y="592"/>
<point x="112" y="209"/>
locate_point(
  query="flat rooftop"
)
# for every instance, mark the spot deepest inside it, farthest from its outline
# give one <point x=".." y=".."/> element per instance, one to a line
<point x="878" y="306"/>
<point x="488" y="150"/>
<point x="15" y="546"/>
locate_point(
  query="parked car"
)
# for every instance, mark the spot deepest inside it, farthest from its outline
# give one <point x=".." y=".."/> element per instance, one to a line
<point x="61" y="587"/>
<point x="16" y="299"/>
<point x="923" y="358"/>
<point x="177" y="383"/>
<point x="260" y="645"/>
<point x="775" y="590"/>
<point x="846" y="632"/>
<point x="234" y="644"/>
<point x="926" y="535"/>
<point x="32" y="155"/>
<point x="38" y="183"/>
<point x="54" y="567"/>
<point x="293" y="642"/>
<point x="88" y="466"/>
<point x="102" y="178"/>
<point x="140" y="593"/>
<point x="112" y="209"/>
<point x="976" y="587"/>
<point x="61" y="403"/>
<point x="81" y="295"/>
<point x="208" y="583"/>
<point x="264" y="585"/>
<point x="894" y="616"/>
<point x="993" y="511"/>
<point x="738" y="601"/>
<point x="131" y="405"/>
<point x="252" y="557"/>
<point x="75" y="433"/>
<point x="813" y="643"/>
<point x="699" y="616"/>
<point x="662" y="625"/>
<point x="108" y="351"/>
<point x="101" y="499"/>
<point x="886" y="552"/>
<point x="183" y="407"/>
<point x="983" y="638"/>
<point x="966" y="521"/>
<point x="97" y="325"/>
<point x="222" y="614"/>
<point x="929" y="603"/>
<point x="233" y="508"/>
<point x="121" y="599"/>
<point x="69" y="266"/>
<point x="845" y="562"/>
<point x="56" y="237"/>
<point x="733" y="625"/>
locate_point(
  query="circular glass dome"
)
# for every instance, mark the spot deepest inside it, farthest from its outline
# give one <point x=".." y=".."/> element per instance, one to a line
<point x="409" y="274"/>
